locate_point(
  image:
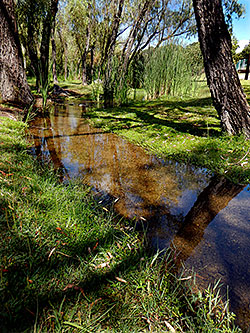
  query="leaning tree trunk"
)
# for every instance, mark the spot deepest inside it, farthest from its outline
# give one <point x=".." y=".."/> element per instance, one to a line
<point x="223" y="81"/>
<point x="13" y="82"/>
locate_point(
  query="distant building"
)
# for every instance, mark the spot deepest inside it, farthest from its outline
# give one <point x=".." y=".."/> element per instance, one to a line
<point x="241" y="68"/>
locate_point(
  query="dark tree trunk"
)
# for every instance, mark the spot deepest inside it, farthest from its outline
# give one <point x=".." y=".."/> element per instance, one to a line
<point x="65" y="61"/>
<point x="53" y="45"/>
<point x="65" y="51"/>
<point x="223" y="81"/>
<point x="92" y="62"/>
<point x="31" y="45"/>
<point x="84" y="70"/>
<point x="44" y="48"/>
<point x="108" y="85"/>
<point x="13" y="82"/>
<point x="84" y="56"/>
<point x="248" y="65"/>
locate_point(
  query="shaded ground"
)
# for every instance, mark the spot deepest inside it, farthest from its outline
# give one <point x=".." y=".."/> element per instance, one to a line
<point x="10" y="112"/>
<point x="16" y="112"/>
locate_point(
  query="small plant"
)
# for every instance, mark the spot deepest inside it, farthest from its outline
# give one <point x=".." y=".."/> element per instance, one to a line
<point x="45" y="79"/>
<point x="96" y="87"/>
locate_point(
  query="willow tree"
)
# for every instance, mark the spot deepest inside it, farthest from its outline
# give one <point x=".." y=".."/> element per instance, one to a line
<point x="36" y="20"/>
<point x="82" y="26"/>
<point x="13" y="83"/>
<point x="145" y="22"/>
<point x="223" y="81"/>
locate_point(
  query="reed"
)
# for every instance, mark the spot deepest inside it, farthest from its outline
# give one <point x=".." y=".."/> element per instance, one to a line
<point x="168" y="71"/>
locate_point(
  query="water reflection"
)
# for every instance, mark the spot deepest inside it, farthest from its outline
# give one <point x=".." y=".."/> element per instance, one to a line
<point x="204" y="217"/>
<point x="209" y="203"/>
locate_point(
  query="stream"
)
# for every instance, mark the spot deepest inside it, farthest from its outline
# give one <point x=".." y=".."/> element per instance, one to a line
<point x="206" y="219"/>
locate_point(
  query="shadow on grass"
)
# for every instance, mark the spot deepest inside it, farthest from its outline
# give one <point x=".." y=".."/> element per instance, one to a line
<point x="192" y="116"/>
<point x="39" y="276"/>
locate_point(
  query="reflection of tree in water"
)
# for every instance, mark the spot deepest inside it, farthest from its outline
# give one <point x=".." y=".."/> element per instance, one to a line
<point x="43" y="138"/>
<point x="209" y="203"/>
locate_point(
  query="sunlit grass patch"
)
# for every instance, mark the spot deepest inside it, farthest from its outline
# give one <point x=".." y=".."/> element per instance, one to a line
<point x="183" y="129"/>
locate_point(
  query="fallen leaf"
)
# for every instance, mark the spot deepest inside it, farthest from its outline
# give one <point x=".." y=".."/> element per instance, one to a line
<point x="64" y="254"/>
<point x="185" y="278"/>
<point x="95" y="246"/>
<point x="105" y="264"/>
<point x="69" y="286"/>
<point x="120" y="279"/>
<point x="109" y="255"/>
<point x="51" y="252"/>
<point x="170" y="327"/>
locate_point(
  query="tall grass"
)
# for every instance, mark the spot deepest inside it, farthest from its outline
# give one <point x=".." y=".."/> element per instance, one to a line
<point x="168" y="71"/>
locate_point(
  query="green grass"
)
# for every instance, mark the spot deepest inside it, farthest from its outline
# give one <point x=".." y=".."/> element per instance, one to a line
<point x="74" y="86"/>
<point x="68" y="264"/>
<point x="183" y="129"/>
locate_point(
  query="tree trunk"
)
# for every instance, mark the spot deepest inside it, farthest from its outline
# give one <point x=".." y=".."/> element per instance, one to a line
<point x="108" y="84"/>
<point x="13" y="82"/>
<point x="223" y="81"/>
<point x="53" y="45"/>
<point x="65" y="61"/>
<point x="248" y="65"/>
<point x="65" y="51"/>
<point x="44" y="48"/>
<point x="84" y="70"/>
<point x="31" y="45"/>
<point x="92" y="62"/>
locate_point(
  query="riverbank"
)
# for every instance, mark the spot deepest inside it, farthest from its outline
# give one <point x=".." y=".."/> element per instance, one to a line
<point x="68" y="263"/>
<point x="181" y="129"/>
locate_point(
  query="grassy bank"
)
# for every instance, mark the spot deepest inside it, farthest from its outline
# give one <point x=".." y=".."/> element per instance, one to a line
<point x="68" y="264"/>
<point x="183" y="129"/>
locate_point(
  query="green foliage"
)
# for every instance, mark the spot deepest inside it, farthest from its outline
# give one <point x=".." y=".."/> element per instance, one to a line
<point x="97" y="90"/>
<point x="232" y="9"/>
<point x="170" y="70"/>
<point x="235" y="46"/>
<point x="244" y="54"/>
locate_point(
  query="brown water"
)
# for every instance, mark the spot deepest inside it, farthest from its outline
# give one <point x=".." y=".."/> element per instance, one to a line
<point x="205" y="218"/>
